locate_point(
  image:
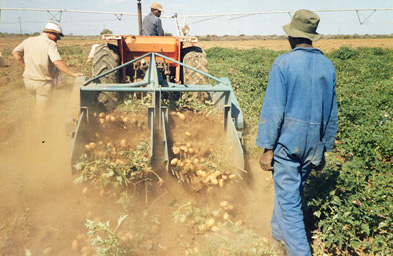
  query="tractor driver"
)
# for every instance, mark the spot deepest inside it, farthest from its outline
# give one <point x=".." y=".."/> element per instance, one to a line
<point x="151" y="25"/>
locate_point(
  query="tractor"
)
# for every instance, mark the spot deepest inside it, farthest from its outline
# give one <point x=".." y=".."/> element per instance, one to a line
<point x="161" y="68"/>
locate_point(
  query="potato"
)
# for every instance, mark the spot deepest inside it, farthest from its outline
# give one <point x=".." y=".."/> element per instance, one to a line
<point x="202" y="228"/>
<point x="206" y="180"/>
<point x="221" y="183"/>
<point x="225" y="216"/>
<point x="175" y="150"/>
<point x="229" y="207"/>
<point x="113" y="118"/>
<point x="190" y="150"/>
<point x="102" y="115"/>
<point x="102" y="121"/>
<point x="195" y="160"/>
<point x="238" y="222"/>
<point x="85" y="250"/>
<point x="214" y="181"/>
<point x="107" y="117"/>
<point x="224" y="204"/>
<point x="181" y="116"/>
<point x="188" y="134"/>
<point x="174" y="161"/>
<point x="232" y="176"/>
<point x="215" y="228"/>
<point x="92" y="145"/>
<point x="210" y="222"/>
<point x="201" y="173"/>
<point x="75" y="245"/>
<point x="123" y="143"/>
<point x="47" y="250"/>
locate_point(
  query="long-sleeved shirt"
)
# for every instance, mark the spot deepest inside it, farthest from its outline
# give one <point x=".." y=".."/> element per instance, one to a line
<point x="151" y="26"/>
<point x="299" y="111"/>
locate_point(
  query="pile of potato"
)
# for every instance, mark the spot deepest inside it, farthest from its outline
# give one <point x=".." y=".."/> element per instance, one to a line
<point x="198" y="159"/>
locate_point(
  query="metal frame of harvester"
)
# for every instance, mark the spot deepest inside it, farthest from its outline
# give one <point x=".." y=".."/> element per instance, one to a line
<point x="153" y="83"/>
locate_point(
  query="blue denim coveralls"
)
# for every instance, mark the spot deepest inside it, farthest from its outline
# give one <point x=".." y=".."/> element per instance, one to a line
<point x="299" y="122"/>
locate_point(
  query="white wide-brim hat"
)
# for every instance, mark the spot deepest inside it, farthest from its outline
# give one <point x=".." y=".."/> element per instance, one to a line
<point x="52" y="27"/>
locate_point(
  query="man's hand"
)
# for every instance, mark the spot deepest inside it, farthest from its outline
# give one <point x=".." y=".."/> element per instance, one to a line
<point x="64" y="68"/>
<point x="266" y="160"/>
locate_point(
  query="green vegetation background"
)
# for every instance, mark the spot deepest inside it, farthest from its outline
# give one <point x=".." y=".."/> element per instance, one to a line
<point x="348" y="205"/>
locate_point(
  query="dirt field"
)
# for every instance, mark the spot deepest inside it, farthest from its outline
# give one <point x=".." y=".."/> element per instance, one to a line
<point x="43" y="211"/>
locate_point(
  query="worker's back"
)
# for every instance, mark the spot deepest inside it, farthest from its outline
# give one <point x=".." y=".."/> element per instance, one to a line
<point x="151" y="26"/>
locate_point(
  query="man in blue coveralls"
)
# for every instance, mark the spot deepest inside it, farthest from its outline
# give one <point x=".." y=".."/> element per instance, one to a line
<point x="151" y="25"/>
<point x="298" y="124"/>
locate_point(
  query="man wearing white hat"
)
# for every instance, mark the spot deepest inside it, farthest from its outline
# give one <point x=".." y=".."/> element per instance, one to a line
<point x="151" y="25"/>
<point x="298" y="124"/>
<point x="40" y="58"/>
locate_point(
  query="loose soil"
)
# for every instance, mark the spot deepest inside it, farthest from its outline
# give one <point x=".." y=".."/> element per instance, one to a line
<point x="42" y="210"/>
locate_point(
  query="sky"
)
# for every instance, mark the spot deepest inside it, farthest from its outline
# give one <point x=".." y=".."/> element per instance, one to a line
<point x="332" y="23"/>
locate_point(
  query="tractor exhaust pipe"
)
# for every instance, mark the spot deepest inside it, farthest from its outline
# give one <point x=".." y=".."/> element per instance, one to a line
<point x="140" y="17"/>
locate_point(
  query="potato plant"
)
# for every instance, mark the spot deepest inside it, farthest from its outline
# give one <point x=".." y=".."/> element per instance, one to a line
<point x="348" y="205"/>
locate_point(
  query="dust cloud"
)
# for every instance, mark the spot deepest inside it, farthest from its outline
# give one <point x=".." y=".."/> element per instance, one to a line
<point x="43" y="211"/>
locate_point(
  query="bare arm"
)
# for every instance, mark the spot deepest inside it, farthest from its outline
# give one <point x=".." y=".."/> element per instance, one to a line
<point x="19" y="59"/>
<point x="63" y="67"/>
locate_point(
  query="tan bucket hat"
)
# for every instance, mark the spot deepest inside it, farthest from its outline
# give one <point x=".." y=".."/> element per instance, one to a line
<point x="304" y="24"/>
<point x="157" y="6"/>
<point x="52" y="27"/>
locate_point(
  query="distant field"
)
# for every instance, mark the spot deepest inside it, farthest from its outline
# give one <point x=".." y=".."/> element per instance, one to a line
<point x="326" y="45"/>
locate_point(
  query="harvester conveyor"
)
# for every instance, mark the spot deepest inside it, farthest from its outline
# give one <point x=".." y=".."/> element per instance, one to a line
<point x="222" y="94"/>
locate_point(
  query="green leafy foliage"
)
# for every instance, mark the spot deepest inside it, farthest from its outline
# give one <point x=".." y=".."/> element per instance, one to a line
<point x="349" y="203"/>
<point x="248" y="71"/>
<point x="351" y="200"/>
<point x="108" y="243"/>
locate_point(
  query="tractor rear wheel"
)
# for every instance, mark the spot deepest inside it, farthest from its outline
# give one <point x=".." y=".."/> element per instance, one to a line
<point x="194" y="57"/>
<point x="106" y="57"/>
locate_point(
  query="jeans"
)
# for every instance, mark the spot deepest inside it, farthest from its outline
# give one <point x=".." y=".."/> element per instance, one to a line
<point x="287" y="221"/>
